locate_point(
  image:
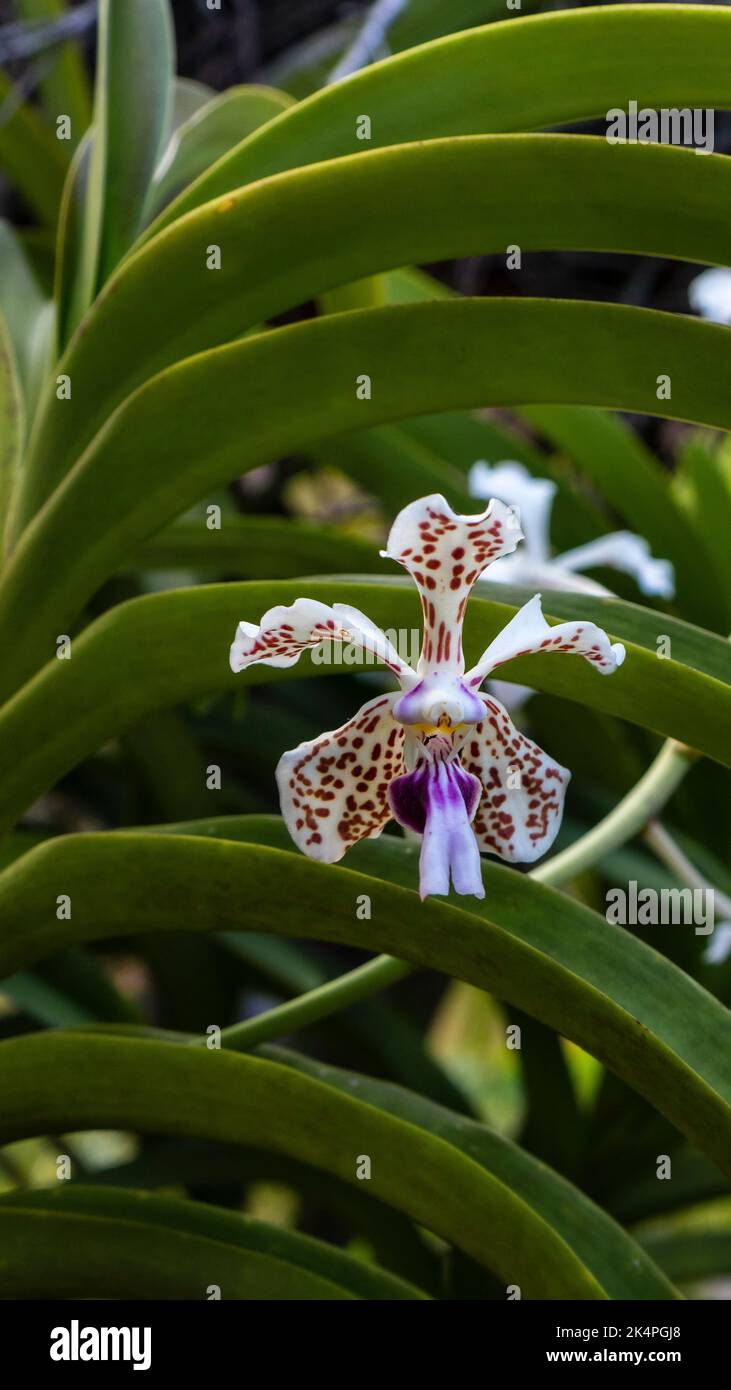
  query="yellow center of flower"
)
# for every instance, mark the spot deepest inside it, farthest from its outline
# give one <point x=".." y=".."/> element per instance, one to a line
<point x="443" y="727"/>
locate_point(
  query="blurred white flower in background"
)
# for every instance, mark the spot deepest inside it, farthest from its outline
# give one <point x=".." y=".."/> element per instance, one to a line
<point x="532" y="499"/>
<point x="535" y="567"/>
<point x="719" y="947"/>
<point x="710" y="294"/>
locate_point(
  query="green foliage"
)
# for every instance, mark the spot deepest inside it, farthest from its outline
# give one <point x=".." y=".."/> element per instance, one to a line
<point x="156" y="372"/>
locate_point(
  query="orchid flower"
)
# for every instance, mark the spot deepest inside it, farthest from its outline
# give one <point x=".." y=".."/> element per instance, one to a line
<point x="440" y="757"/>
<point x="710" y="294"/>
<point x="532" y="499"/>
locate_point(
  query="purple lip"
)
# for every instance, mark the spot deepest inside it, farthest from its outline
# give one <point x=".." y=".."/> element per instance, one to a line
<point x="438" y="800"/>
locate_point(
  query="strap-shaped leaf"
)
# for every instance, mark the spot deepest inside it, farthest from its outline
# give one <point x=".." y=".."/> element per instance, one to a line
<point x="131" y="115"/>
<point x="691" y="1255"/>
<point x="188" y="96"/>
<point x="258" y="546"/>
<point x="299" y="385"/>
<point x="11" y="422"/>
<point x="462" y="437"/>
<point x="397" y="1245"/>
<point x="387" y="463"/>
<point x="76" y="1081"/>
<point x="165" y="649"/>
<point x="30" y="155"/>
<point x="371" y="212"/>
<point x="608" y="453"/>
<point x="63" y="85"/>
<point x="615" y="460"/>
<point x="70" y="241"/>
<point x="702" y="488"/>
<point x="695" y="1180"/>
<point x="92" y="1242"/>
<point x="526" y="943"/>
<point x="208" y="133"/>
<point x="610" y="1253"/>
<point x="522" y="74"/>
<point x="28" y="318"/>
<point x="69" y="988"/>
<point x="309" y="64"/>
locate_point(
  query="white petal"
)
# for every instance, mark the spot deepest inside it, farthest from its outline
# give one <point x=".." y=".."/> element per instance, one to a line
<point x="526" y="573"/>
<point x="285" y="632"/>
<point x="520" y="811"/>
<point x="624" y="551"/>
<point x="333" y="789"/>
<point x="532" y="499"/>
<point x="529" y="632"/>
<point x="710" y="294"/>
<point x="445" y="554"/>
<point x="719" y="947"/>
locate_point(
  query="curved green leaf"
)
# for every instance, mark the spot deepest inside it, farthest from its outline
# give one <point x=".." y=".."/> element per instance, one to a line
<point x="78" y="1081"/>
<point x="257" y="546"/>
<point x="208" y="133"/>
<point x="463" y="437"/>
<point x="632" y="480"/>
<point x="42" y="1002"/>
<point x="554" y="1125"/>
<point x="14" y="846"/>
<point x="27" y="314"/>
<point x="73" y="980"/>
<point x="430" y="19"/>
<point x="33" y="159"/>
<point x="695" y="1180"/>
<point x="692" y="1255"/>
<point x="70" y="238"/>
<point x="393" y="467"/>
<point x="702" y="486"/>
<point x="610" y="454"/>
<point x="526" y="943"/>
<point x="307" y="65"/>
<point x="131" y="115"/>
<point x="370" y="212"/>
<point x="613" y="1257"/>
<point x="188" y="96"/>
<point x="11" y="422"/>
<point x="164" y="1163"/>
<point x="164" y="649"/>
<point x="386" y="1030"/>
<point x="588" y="62"/>
<point x="64" y="85"/>
<point x="436" y="356"/>
<point x="91" y="1242"/>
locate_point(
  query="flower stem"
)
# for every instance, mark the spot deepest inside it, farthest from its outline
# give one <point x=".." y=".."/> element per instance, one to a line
<point x="629" y="817"/>
<point x="318" y="1003"/>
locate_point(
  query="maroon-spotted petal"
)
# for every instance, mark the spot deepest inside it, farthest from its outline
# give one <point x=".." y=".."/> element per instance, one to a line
<point x="334" y="789"/>
<point x="521" y="806"/>
<point x="445" y="554"/>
